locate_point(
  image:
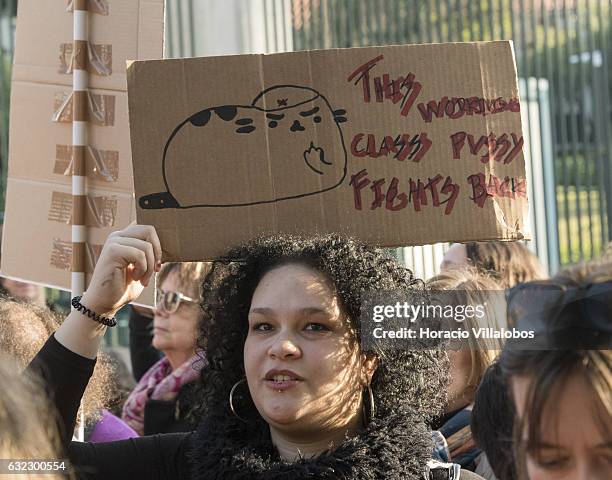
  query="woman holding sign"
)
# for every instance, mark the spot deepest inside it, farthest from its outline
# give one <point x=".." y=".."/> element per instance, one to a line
<point x="289" y="393"/>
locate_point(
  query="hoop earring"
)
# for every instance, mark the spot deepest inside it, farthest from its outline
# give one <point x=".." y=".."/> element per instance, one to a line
<point x="231" y="399"/>
<point x="367" y="419"/>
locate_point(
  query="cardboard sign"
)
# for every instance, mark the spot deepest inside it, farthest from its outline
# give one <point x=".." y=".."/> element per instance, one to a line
<point x="36" y="244"/>
<point x="398" y="145"/>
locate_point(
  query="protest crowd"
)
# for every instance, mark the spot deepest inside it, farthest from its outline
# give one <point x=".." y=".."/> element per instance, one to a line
<point x="251" y="367"/>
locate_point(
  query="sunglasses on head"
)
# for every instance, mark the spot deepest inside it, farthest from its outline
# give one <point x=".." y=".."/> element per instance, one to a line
<point x="580" y="317"/>
<point x="170" y="301"/>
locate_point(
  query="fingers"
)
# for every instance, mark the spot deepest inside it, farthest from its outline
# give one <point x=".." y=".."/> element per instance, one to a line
<point x="145" y="239"/>
<point x="147" y="233"/>
<point x="133" y="259"/>
<point x="142" y="274"/>
<point x="142" y="232"/>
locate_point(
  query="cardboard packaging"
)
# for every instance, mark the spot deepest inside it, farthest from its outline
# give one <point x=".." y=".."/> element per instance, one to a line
<point x="36" y="244"/>
<point x="130" y="29"/>
<point x="397" y="145"/>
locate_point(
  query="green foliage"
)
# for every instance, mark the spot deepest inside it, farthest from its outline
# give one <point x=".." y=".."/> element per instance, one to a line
<point x="579" y="170"/>
<point x="580" y="235"/>
<point x="5" y="91"/>
<point x="8" y="7"/>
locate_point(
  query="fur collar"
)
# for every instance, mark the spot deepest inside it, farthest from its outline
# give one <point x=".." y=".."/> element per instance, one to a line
<point x="391" y="448"/>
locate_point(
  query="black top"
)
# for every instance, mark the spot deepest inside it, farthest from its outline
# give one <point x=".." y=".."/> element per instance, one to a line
<point x="143" y="355"/>
<point x="171" y="416"/>
<point x="156" y="457"/>
<point x="172" y="456"/>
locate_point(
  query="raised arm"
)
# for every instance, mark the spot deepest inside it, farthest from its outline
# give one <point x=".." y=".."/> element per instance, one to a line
<point x="128" y="260"/>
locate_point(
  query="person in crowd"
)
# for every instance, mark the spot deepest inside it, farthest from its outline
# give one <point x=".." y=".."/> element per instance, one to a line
<point x="143" y="355"/>
<point x="508" y="263"/>
<point x="492" y="426"/>
<point x="161" y="401"/>
<point x="586" y="271"/>
<point x="123" y="381"/>
<point x="562" y="391"/>
<point x="288" y="393"/>
<point x="23" y="291"/>
<point x="109" y="426"/>
<point x="27" y="424"/>
<point x="24" y="329"/>
<point x="468" y="359"/>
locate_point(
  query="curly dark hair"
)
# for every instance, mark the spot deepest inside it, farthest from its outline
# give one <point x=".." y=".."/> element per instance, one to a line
<point x="404" y="380"/>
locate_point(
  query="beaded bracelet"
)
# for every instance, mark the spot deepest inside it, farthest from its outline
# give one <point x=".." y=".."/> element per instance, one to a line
<point x="96" y="317"/>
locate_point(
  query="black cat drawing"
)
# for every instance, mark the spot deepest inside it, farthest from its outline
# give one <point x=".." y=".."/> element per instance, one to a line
<point x="295" y="125"/>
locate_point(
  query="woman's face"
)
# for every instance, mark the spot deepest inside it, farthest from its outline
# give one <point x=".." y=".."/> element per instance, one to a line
<point x="303" y="365"/>
<point x="175" y="332"/>
<point x="455" y="257"/>
<point x="22" y="290"/>
<point x="573" y="445"/>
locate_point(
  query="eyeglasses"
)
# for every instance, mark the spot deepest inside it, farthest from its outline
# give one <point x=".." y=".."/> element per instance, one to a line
<point x="577" y="316"/>
<point x="171" y="301"/>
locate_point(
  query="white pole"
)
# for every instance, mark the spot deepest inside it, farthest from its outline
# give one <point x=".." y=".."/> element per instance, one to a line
<point x="79" y="146"/>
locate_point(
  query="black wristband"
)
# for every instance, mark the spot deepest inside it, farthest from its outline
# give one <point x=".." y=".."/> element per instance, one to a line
<point x="96" y="317"/>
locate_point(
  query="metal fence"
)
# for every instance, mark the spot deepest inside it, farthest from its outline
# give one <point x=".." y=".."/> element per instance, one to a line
<point x="562" y="46"/>
<point x="563" y="49"/>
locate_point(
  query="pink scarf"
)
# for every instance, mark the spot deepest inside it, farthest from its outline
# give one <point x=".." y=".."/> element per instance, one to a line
<point x="159" y="383"/>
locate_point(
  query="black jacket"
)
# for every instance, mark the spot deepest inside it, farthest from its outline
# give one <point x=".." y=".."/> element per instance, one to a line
<point x="397" y="447"/>
<point x="171" y="416"/>
<point x="160" y="416"/>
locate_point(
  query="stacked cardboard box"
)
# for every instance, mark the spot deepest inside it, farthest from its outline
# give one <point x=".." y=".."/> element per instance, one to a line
<point x="36" y="242"/>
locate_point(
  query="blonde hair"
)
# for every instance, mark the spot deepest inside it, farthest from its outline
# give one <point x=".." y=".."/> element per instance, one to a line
<point x="24" y="329"/>
<point x="471" y="288"/>
<point x="508" y="263"/>
<point x="593" y="271"/>
<point x="28" y="425"/>
<point x="190" y="276"/>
